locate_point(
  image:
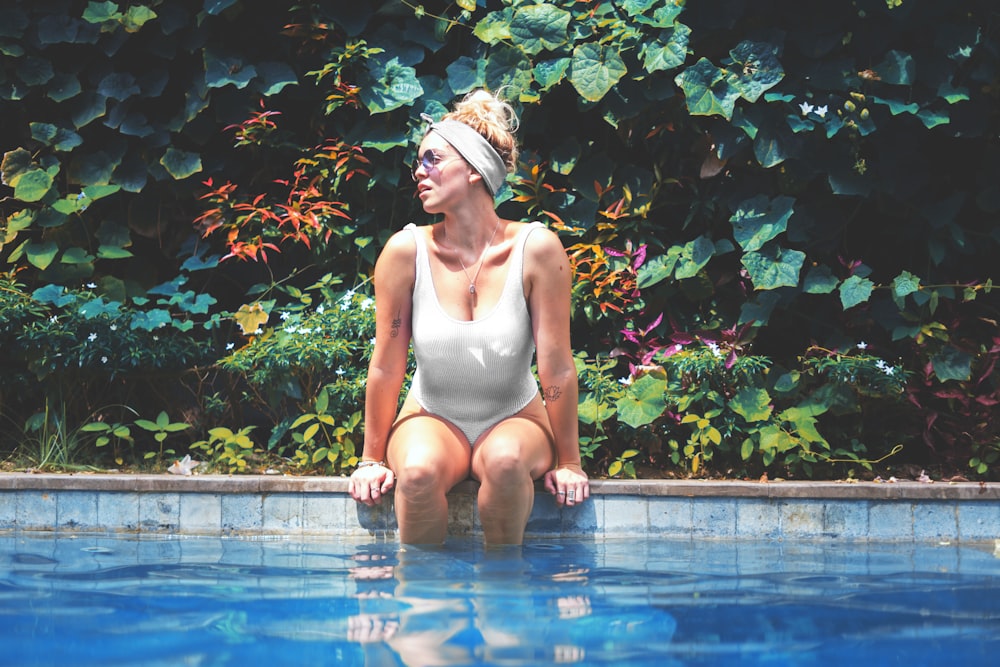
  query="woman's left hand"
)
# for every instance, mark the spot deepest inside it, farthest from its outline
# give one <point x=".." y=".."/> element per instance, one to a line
<point x="569" y="484"/>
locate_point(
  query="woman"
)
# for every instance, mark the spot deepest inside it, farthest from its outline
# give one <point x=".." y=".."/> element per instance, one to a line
<point x="478" y="295"/>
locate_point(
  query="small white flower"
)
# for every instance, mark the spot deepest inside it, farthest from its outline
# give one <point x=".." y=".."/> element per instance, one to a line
<point x="114" y="327"/>
<point x="230" y="346"/>
<point x="340" y="371"/>
<point x="156" y="338"/>
<point x="91" y="285"/>
<point x="53" y="319"/>
<point x="821" y="111"/>
<point x="372" y="342"/>
<point x="304" y="330"/>
<point x="285" y="316"/>
<point x="104" y="360"/>
<point x="889" y="370"/>
<point x="258" y="332"/>
<point x="92" y="337"/>
<point x="625" y="381"/>
<point x="290" y="329"/>
<point x="345" y="305"/>
<point x="319" y="309"/>
<point x="806" y="108"/>
<point x="881" y="365"/>
<point x="367" y="303"/>
<point x="862" y="346"/>
<point x="714" y="347"/>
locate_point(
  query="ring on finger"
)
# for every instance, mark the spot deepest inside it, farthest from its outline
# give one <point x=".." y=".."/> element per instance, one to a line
<point x="571" y="495"/>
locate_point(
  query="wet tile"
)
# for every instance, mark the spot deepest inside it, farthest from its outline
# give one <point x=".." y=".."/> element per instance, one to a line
<point x="36" y="510"/>
<point x="935" y="521"/>
<point x="159" y="512"/>
<point x="118" y="511"/>
<point x="77" y="510"/>
<point x="713" y="517"/>
<point x="242" y="513"/>
<point x="801" y="518"/>
<point x="200" y="513"/>
<point x="890" y="520"/>
<point x="670" y="516"/>
<point x="846" y="519"/>
<point x="759" y="518"/>
<point x="282" y="514"/>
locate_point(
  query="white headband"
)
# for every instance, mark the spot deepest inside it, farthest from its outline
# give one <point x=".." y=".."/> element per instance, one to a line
<point x="475" y="149"/>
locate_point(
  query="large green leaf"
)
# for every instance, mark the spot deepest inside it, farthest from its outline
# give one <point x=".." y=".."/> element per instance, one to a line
<point x="855" y="290"/>
<point x="118" y="86"/>
<point x="668" y="51"/>
<point x="495" y="26"/>
<point x="508" y="67"/>
<point x="34" y="184"/>
<point x="180" y="164"/>
<point x="706" y="90"/>
<point x="101" y="12"/>
<point x="759" y="220"/>
<point x="41" y="254"/>
<point x="643" y="403"/>
<point x="754" y="405"/>
<point x="896" y="68"/>
<point x="952" y="364"/>
<point x="551" y="72"/>
<point x="275" y="76"/>
<point x="773" y="267"/>
<point x="222" y="69"/>
<point x="465" y="74"/>
<point x="755" y="69"/>
<point x="693" y="257"/>
<point x="595" y="70"/>
<point x="389" y="85"/>
<point x="820" y="280"/>
<point x="539" y="27"/>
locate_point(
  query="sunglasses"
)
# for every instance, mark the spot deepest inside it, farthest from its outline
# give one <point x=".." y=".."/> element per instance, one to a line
<point x="429" y="161"/>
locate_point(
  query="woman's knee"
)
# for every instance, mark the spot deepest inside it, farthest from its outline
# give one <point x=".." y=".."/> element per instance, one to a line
<point x="505" y="459"/>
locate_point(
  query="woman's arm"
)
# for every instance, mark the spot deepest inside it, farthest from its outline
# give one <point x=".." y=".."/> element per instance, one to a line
<point x="547" y="274"/>
<point x="394" y="277"/>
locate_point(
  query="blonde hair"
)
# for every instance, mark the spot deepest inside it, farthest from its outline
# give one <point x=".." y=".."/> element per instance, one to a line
<point x="493" y="118"/>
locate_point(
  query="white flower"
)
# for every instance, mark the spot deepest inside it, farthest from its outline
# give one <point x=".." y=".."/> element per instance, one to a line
<point x="862" y="346"/>
<point x="258" y="332"/>
<point x="156" y="338"/>
<point x="91" y="285"/>
<point x="888" y="370"/>
<point x="290" y="329"/>
<point x="345" y="305"/>
<point x="320" y="309"/>
<point x="625" y="381"/>
<point x="714" y="347"/>
<point x="372" y="342"/>
<point x="230" y="346"/>
<point x="104" y="360"/>
<point x="806" y="108"/>
<point x="340" y="371"/>
<point x="367" y="303"/>
<point x="53" y="319"/>
<point x="304" y="330"/>
<point x="285" y="316"/>
<point x="821" y="111"/>
<point x="114" y="327"/>
<point x="92" y="337"/>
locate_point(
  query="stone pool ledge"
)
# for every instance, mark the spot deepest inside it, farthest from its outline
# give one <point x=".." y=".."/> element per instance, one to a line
<point x="251" y="505"/>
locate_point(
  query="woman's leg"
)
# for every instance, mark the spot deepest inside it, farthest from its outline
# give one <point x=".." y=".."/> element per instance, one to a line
<point x="428" y="456"/>
<point x="507" y="460"/>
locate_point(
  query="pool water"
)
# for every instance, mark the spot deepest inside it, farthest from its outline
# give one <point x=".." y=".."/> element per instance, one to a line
<point x="98" y="600"/>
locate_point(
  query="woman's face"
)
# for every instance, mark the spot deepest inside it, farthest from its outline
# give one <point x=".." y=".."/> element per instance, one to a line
<point x="443" y="177"/>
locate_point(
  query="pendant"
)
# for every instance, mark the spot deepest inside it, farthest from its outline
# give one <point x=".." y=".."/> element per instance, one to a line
<point x="472" y="289"/>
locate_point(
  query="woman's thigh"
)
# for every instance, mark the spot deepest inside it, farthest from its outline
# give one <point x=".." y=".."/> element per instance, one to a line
<point x="526" y="435"/>
<point x="421" y="440"/>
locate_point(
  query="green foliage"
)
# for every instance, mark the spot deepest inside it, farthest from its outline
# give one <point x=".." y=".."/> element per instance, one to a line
<point x="826" y="178"/>
<point x="226" y="449"/>
<point x="161" y="429"/>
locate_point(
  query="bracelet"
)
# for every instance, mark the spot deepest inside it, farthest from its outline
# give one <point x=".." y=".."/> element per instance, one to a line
<point x="365" y="464"/>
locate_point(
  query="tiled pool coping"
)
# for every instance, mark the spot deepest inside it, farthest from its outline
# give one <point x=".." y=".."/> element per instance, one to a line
<point x="289" y="506"/>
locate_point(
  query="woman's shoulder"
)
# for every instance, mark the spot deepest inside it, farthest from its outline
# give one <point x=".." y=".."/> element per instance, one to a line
<point x="542" y="241"/>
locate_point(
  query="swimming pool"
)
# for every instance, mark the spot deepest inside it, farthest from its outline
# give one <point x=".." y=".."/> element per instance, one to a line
<point x="98" y="600"/>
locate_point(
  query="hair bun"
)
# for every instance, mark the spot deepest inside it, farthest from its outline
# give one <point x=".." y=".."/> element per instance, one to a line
<point x="492" y="117"/>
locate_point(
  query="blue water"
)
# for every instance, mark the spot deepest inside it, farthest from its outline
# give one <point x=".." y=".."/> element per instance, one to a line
<point x="95" y="600"/>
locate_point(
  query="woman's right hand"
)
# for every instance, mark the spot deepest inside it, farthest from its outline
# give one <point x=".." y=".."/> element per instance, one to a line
<point x="369" y="484"/>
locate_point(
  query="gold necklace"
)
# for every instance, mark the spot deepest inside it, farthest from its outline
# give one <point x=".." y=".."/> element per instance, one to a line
<point x="482" y="259"/>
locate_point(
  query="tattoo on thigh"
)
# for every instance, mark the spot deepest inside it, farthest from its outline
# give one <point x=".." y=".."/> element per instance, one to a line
<point x="396" y="323"/>
<point x="552" y="393"/>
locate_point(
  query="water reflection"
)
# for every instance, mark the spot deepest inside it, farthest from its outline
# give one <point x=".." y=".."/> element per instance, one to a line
<point x="517" y="605"/>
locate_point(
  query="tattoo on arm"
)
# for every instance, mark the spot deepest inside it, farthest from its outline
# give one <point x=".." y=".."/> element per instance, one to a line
<point x="396" y="323"/>
<point x="552" y="393"/>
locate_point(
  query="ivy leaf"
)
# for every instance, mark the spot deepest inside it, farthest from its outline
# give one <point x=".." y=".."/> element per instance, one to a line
<point x="494" y="27"/>
<point x="15" y="163"/>
<point x="76" y="256"/>
<point x="855" y="290"/>
<point x="136" y="17"/>
<point x="223" y="70"/>
<point x="180" y="164"/>
<point x="706" y="91"/>
<point x="668" y="51"/>
<point x="508" y="67"/>
<point x="643" y="402"/>
<point x="274" y="77"/>
<point x="693" y="257"/>
<point x="98" y="306"/>
<point x="34" y="184"/>
<point x="63" y="87"/>
<point x="596" y="68"/>
<point x="539" y="27"/>
<point x="390" y="85"/>
<point x="41" y="254"/>
<point x="952" y="364"/>
<point x="819" y="280"/>
<point x="53" y="294"/>
<point x="897" y="68"/>
<point x="754" y="405"/>
<point x="118" y="86"/>
<point x="101" y="12"/>
<point x="756" y="70"/>
<point x="551" y="72"/>
<point x="150" y="320"/>
<point x="774" y="267"/>
<point x="759" y="220"/>
<point x="250" y="317"/>
<point x="465" y="74"/>
<point x="113" y="252"/>
<point x="904" y="284"/>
